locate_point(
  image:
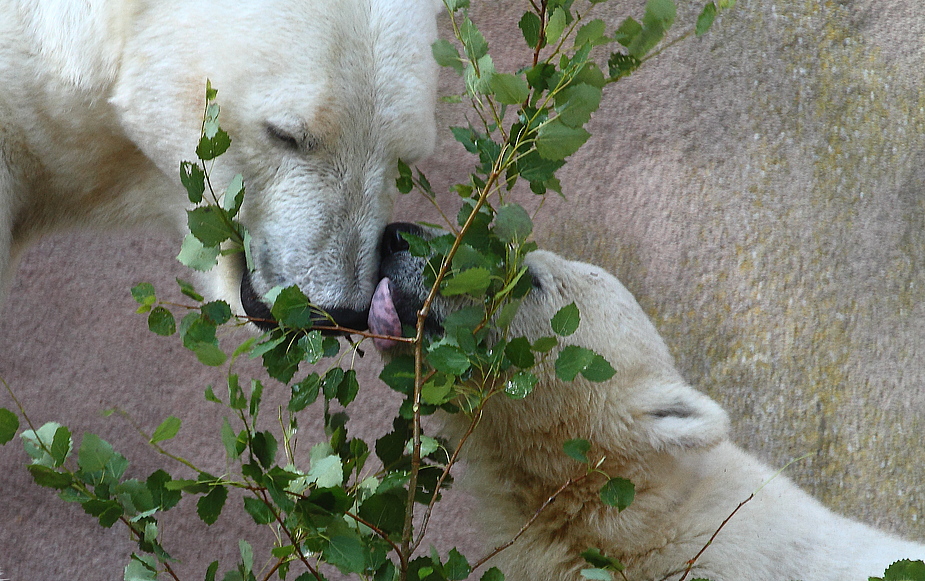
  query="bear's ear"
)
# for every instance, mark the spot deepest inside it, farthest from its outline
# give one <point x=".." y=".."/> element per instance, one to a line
<point x="678" y="416"/>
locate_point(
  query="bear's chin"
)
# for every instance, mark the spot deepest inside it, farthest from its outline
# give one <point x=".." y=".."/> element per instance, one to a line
<point x="254" y="307"/>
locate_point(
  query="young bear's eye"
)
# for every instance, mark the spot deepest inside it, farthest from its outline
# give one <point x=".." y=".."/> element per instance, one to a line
<point x="282" y="136"/>
<point x="535" y="280"/>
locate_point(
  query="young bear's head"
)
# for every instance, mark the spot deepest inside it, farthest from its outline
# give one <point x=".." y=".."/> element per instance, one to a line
<point x="645" y="407"/>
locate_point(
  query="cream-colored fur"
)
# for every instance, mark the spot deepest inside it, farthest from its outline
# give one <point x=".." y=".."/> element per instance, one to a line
<point x="669" y="439"/>
<point x="100" y="100"/>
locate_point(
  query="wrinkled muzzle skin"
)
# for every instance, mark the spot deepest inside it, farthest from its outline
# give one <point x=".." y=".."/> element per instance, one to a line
<point x="321" y="98"/>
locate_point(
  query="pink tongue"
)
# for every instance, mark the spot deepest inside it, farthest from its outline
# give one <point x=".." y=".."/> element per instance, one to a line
<point x="383" y="318"/>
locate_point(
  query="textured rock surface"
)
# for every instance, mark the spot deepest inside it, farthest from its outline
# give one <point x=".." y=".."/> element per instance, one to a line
<point x="759" y="190"/>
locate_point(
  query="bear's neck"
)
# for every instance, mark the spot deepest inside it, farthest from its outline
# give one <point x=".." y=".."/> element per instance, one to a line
<point x="514" y="479"/>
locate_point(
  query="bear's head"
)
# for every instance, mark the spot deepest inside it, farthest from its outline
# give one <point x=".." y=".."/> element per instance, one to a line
<point x="645" y="407"/>
<point x="321" y="99"/>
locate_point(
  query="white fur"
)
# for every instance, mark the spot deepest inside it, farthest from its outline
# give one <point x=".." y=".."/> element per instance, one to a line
<point x="669" y="439"/>
<point x="100" y="100"/>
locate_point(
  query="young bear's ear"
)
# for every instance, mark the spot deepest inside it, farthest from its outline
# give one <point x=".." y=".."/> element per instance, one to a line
<point x="678" y="416"/>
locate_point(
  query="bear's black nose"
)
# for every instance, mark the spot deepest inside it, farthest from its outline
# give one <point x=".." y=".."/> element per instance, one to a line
<point x="392" y="241"/>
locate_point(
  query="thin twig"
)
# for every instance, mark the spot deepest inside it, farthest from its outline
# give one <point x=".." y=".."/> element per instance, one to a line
<point x="446" y="471"/>
<point x="295" y="543"/>
<point x="690" y="564"/>
<point x="382" y="534"/>
<point x="529" y="523"/>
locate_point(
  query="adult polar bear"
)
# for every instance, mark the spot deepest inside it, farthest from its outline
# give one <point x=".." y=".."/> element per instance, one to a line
<point x="100" y="100"/>
<point x="646" y="424"/>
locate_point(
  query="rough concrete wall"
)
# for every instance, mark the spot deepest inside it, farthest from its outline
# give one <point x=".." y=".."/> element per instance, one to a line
<point x="759" y="190"/>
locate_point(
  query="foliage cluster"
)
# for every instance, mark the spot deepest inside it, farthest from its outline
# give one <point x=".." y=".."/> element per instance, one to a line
<point x="353" y="506"/>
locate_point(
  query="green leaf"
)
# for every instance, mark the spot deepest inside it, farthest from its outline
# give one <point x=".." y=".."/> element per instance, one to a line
<point x="577" y="103"/>
<point x="660" y="12"/>
<point x="493" y="574"/>
<point x="705" y="20"/>
<point x="428" y="446"/>
<point x="405" y="181"/>
<point x="212" y="147"/>
<point x="472" y="281"/>
<point x="627" y="31"/>
<point x="304" y="393"/>
<point x="247" y="555"/>
<point x="513" y="223"/>
<point x="475" y="44"/>
<point x="161" y="321"/>
<point x="556" y="140"/>
<point x="618" y="492"/>
<point x="33" y="442"/>
<point x="210" y="506"/>
<point x="448" y="359"/>
<point x="106" y="511"/>
<point x="259" y="511"/>
<point x="48" y="477"/>
<point x="456" y="567"/>
<point x="446" y="55"/>
<point x="478" y="75"/>
<point x="282" y="360"/>
<point x="189" y="290"/>
<point x="399" y="374"/>
<point x="264" y="446"/>
<point x="386" y="510"/>
<point x="577" y="449"/>
<point x="531" y="26"/>
<point x="330" y="384"/>
<point x="591" y="33"/>
<point x="94" y="453"/>
<point x="207" y="224"/>
<point x="571" y="361"/>
<point x="234" y="195"/>
<point x="520" y="385"/>
<point x="509" y="89"/>
<point x="622" y="65"/>
<point x="193" y="179"/>
<point x="292" y="308"/>
<point x="566" y="320"/>
<point x="905" y="570"/>
<point x="216" y="311"/>
<point x="326" y="471"/>
<point x="230" y="440"/>
<point x="646" y="40"/>
<point x="212" y="571"/>
<point x="438" y="390"/>
<point x="519" y="352"/>
<point x="349" y="388"/>
<point x="555" y="25"/>
<point x="545" y="344"/>
<point x="141" y="568"/>
<point x="534" y="167"/>
<point x="143" y="293"/>
<point x="167" y="430"/>
<point x="195" y="255"/>
<point x="346" y="553"/>
<point x="9" y="425"/>
<point x="601" y="561"/>
<point x="256" y="394"/>
<point x="598" y="370"/>
<point x="209" y="354"/>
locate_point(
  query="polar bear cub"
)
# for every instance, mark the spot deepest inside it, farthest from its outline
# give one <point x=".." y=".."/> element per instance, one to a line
<point x="651" y="427"/>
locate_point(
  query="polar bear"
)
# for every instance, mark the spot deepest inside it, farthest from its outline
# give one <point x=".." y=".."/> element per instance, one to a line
<point x="646" y="424"/>
<point x="100" y="100"/>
